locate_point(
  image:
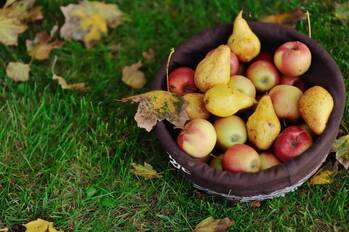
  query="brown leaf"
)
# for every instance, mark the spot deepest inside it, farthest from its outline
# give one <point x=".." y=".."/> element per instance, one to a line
<point x="149" y="55"/>
<point x="287" y="18"/>
<point x="158" y="105"/>
<point x="18" y="71"/>
<point x="89" y="21"/>
<point x="4" y="229"/>
<point x="146" y="171"/>
<point x="40" y="225"/>
<point x="132" y="77"/>
<point x="41" y="47"/>
<point x="10" y="28"/>
<point x="323" y="176"/>
<point x="341" y="12"/>
<point x="255" y="204"/>
<point x="213" y="225"/>
<point x="341" y="147"/>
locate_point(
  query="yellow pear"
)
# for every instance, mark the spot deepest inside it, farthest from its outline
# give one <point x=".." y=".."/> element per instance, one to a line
<point x="243" y="42"/>
<point x="213" y="69"/>
<point x="263" y="126"/>
<point x="223" y="101"/>
<point x="315" y="107"/>
<point x="195" y="106"/>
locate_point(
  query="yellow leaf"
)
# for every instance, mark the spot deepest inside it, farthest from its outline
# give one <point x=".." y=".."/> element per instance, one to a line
<point x="322" y="177"/>
<point x="158" y="105"/>
<point x="89" y="21"/>
<point x="341" y="147"/>
<point x="41" y="47"/>
<point x="213" y="225"/>
<point x="146" y="171"/>
<point x="287" y="18"/>
<point x="40" y="225"/>
<point x="132" y="77"/>
<point x="18" y="71"/>
<point x="148" y="55"/>
<point x="10" y="28"/>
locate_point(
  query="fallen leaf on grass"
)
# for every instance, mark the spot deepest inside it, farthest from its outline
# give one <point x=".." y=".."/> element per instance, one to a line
<point x="4" y="229"/>
<point x="255" y="204"/>
<point x="342" y="11"/>
<point x="146" y="171"/>
<point x="89" y="21"/>
<point x="42" y="46"/>
<point x="213" y="225"/>
<point x="63" y="83"/>
<point x="322" y="177"/>
<point x="10" y="28"/>
<point x="149" y="55"/>
<point x="287" y="18"/>
<point x="158" y="105"/>
<point x="18" y="71"/>
<point x="341" y="148"/>
<point x="132" y="77"/>
<point x="40" y="225"/>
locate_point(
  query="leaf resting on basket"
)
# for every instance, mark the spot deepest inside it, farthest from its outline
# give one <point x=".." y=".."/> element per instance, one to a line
<point x="158" y="105"/>
<point x="341" y="148"/>
<point x="289" y="18"/>
<point x="213" y="225"/>
<point x="147" y="171"/>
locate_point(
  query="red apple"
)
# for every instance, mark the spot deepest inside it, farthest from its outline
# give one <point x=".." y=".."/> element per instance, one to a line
<point x="264" y="56"/>
<point x="181" y="81"/>
<point x="268" y="160"/>
<point x="292" y="142"/>
<point x="295" y="81"/>
<point x="263" y="75"/>
<point x="241" y="158"/>
<point x="198" y="138"/>
<point x="292" y="58"/>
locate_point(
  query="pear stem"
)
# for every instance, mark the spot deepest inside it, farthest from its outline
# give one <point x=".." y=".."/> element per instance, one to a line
<point x="309" y="24"/>
<point x="167" y="67"/>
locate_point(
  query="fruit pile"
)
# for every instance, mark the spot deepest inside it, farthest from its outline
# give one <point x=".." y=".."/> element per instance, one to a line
<point x="248" y="124"/>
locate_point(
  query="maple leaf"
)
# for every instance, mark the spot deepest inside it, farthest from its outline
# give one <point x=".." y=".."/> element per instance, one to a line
<point x="41" y="47"/>
<point x="341" y="12"/>
<point x="147" y="171"/>
<point x="287" y="18"/>
<point x="132" y="77"/>
<point x="40" y="225"/>
<point x="341" y="147"/>
<point x="158" y="105"/>
<point x="18" y="71"/>
<point x="10" y="28"/>
<point x="89" y="21"/>
<point x="213" y="225"/>
<point x="323" y="176"/>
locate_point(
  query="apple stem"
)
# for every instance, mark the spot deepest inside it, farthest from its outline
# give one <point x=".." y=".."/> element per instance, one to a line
<point x="309" y="24"/>
<point x="167" y="67"/>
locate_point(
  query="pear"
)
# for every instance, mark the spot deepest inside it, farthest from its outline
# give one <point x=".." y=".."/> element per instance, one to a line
<point x="213" y="69"/>
<point x="315" y="107"/>
<point x="263" y="126"/>
<point x="223" y="101"/>
<point x="243" y="42"/>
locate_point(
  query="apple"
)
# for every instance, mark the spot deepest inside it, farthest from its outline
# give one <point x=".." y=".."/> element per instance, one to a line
<point x="195" y="107"/>
<point x="292" y="58"/>
<point x="295" y="81"/>
<point x="292" y="142"/>
<point x="285" y="101"/>
<point x="241" y="158"/>
<point x="264" y="56"/>
<point x="268" y="160"/>
<point x="216" y="163"/>
<point x="181" y="81"/>
<point x="234" y="63"/>
<point x="263" y="74"/>
<point x="230" y="130"/>
<point x="242" y="84"/>
<point x="198" y="138"/>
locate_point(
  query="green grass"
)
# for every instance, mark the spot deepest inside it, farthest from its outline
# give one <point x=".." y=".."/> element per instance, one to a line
<point x="65" y="156"/>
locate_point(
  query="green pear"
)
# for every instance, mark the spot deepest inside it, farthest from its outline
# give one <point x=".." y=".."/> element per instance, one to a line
<point x="263" y="126"/>
<point x="223" y="101"/>
<point x="213" y="69"/>
<point x="243" y="42"/>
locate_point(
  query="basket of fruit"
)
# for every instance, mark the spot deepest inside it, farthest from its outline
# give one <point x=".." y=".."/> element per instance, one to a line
<point x="265" y="104"/>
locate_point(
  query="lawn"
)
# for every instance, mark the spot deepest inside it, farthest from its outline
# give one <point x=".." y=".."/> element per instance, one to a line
<point x="65" y="156"/>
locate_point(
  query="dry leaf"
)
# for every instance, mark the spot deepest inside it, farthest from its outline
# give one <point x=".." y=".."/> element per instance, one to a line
<point x="149" y="55"/>
<point x="4" y="229"/>
<point x="287" y="18"/>
<point x="40" y="225"/>
<point x="341" y="12"/>
<point x="63" y="83"/>
<point x="213" y="225"/>
<point x="322" y="177"/>
<point x="341" y="148"/>
<point x="89" y="21"/>
<point x="9" y="2"/>
<point x="18" y="71"/>
<point x="255" y="204"/>
<point x="146" y="171"/>
<point x="10" y="28"/>
<point x="132" y="77"/>
<point x="41" y="47"/>
<point x="158" y="105"/>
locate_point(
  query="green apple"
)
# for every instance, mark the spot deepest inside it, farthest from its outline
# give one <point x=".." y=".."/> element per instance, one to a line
<point x="268" y="160"/>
